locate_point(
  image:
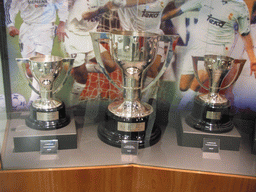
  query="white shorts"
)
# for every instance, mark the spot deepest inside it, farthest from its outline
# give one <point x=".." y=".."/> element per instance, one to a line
<point x="81" y="46"/>
<point x="36" y="38"/>
<point x="198" y="48"/>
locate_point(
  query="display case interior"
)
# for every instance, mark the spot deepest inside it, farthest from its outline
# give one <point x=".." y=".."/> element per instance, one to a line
<point x="94" y="104"/>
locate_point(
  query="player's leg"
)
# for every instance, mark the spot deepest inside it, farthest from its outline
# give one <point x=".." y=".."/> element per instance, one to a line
<point x="151" y="94"/>
<point x="74" y="46"/>
<point x="108" y="61"/>
<point x="203" y="77"/>
<point x="80" y="74"/>
<point x="152" y="72"/>
<point x="41" y="42"/>
<point x="186" y="79"/>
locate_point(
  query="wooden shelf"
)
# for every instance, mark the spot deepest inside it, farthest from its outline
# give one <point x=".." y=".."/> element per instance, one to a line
<point x="130" y="178"/>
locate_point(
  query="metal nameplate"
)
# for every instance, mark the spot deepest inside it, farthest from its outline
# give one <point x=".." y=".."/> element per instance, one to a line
<point x="131" y="127"/>
<point x="48" y="146"/>
<point x="129" y="147"/>
<point x="47" y="116"/>
<point x="211" y="145"/>
<point x="213" y="115"/>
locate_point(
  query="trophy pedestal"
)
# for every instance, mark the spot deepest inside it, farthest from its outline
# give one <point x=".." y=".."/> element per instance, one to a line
<point x="26" y="139"/>
<point x="116" y="129"/>
<point x="190" y="137"/>
<point x="47" y="119"/>
<point x="210" y="118"/>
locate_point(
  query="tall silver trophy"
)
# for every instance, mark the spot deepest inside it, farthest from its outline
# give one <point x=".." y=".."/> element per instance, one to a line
<point x="134" y="53"/>
<point x="50" y="72"/>
<point x="211" y="111"/>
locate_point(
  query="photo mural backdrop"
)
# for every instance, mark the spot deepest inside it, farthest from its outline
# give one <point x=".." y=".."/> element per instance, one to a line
<point x="61" y="28"/>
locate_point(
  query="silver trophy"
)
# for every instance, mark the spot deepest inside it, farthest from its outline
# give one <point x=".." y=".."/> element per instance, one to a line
<point x="211" y="111"/>
<point x="134" y="53"/>
<point x="50" y="72"/>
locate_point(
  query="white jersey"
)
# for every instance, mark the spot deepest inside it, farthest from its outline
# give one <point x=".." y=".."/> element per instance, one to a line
<point x="146" y="17"/>
<point x="217" y="18"/>
<point x="36" y="11"/>
<point x="75" y="22"/>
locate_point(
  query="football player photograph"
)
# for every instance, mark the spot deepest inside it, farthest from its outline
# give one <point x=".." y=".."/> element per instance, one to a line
<point x="142" y="16"/>
<point x="38" y="28"/>
<point x="214" y="34"/>
<point x="243" y="91"/>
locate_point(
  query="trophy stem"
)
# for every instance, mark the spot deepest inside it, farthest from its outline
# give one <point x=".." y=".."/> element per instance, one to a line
<point x="131" y="93"/>
<point x="46" y="95"/>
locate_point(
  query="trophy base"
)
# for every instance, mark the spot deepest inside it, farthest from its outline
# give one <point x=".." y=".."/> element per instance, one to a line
<point x="210" y="118"/>
<point x="48" y="119"/>
<point x="190" y="137"/>
<point x="117" y="129"/>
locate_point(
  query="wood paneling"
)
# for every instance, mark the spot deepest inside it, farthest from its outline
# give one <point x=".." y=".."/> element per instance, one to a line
<point x="123" y="178"/>
<point x="88" y="179"/>
<point x="175" y="180"/>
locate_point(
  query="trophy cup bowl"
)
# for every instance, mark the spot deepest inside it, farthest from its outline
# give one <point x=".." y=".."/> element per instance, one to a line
<point x="210" y="112"/>
<point x="134" y="53"/>
<point x="51" y="73"/>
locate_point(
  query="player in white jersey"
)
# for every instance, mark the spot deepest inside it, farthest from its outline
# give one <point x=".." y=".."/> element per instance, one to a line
<point x="37" y="30"/>
<point x="146" y="17"/>
<point x="243" y="89"/>
<point x="214" y="34"/>
<point x="83" y="18"/>
<point x="79" y="42"/>
<point x="36" y="33"/>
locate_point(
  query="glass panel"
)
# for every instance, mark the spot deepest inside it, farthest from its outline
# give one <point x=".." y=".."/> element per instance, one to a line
<point x="3" y="115"/>
<point x="108" y="125"/>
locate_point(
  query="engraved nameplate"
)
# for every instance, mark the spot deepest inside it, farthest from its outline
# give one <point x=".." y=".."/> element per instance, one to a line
<point x="131" y="127"/>
<point x="49" y="146"/>
<point x="47" y="116"/>
<point x="213" y="115"/>
<point x="129" y="147"/>
<point x="211" y="145"/>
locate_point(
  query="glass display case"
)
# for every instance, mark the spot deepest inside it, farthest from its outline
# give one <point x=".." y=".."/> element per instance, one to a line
<point x="112" y="119"/>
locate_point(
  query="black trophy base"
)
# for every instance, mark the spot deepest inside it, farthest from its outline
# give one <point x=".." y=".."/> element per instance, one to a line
<point x="210" y="118"/>
<point x="114" y="130"/>
<point x="43" y="119"/>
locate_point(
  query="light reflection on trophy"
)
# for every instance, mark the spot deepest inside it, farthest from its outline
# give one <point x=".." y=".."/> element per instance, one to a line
<point x="134" y="53"/>
<point x="210" y="112"/>
<point x="50" y="72"/>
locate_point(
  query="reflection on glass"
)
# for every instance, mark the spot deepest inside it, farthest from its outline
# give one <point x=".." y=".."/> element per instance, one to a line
<point x="3" y="116"/>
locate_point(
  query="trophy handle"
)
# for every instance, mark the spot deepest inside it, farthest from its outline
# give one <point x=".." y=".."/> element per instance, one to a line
<point x="168" y="56"/>
<point x="67" y="64"/>
<point x="96" y="37"/>
<point x="241" y="63"/>
<point x="195" y="60"/>
<point x="21" y="62"/>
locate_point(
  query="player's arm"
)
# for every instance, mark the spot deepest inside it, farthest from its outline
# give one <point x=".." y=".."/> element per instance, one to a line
<point x="173" y="13"/>
<point x="12" y="8"/>
<point x="62" y="7"/>
<point x="188" y="6"/>
<point x="13" y="31"/>
<point x="112" y="5"/>
<point x="249" y="49"/>
<point x="61" y="31"/>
